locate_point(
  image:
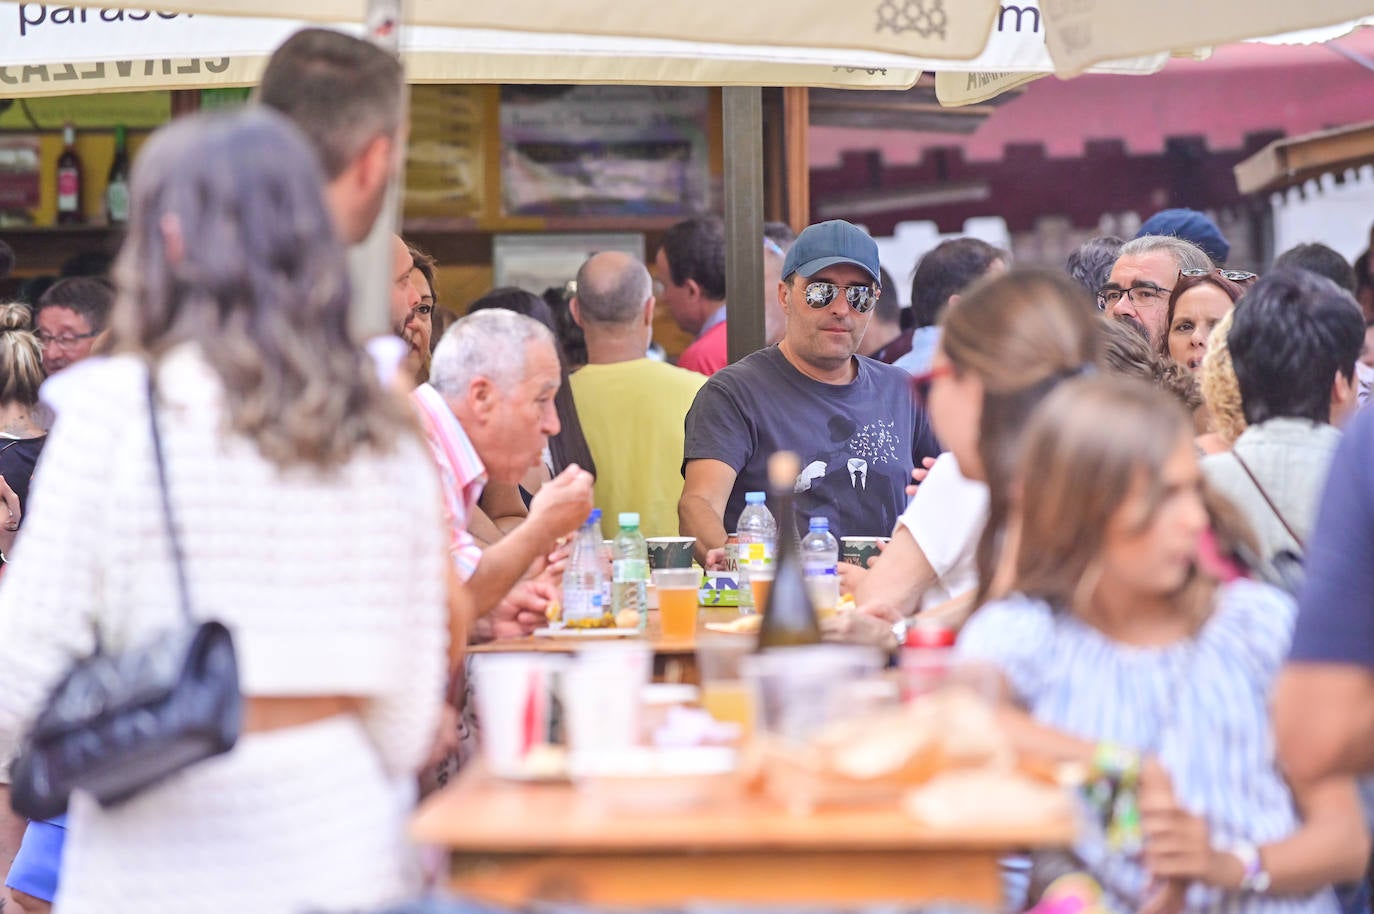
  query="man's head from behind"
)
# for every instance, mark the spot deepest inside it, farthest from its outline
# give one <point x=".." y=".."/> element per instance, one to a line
<point x="829" y="288"/>
<point x="946" y="271"/>
<point x="1144" y="274"/>
<point x="1294" y="341"/>
<point x="498" y="371"/>
<point x="1320" y="259"/>
<point x="690" y="269"/>
<point x="614" y="296"/>
<point x="345" y="95"/>
<point x="69" y="318"/>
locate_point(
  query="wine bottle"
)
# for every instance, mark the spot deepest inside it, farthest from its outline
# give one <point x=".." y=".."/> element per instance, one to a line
<point x="69" y="179"/>
<point x="117" y="188"/>
<point x="789" y="617"/>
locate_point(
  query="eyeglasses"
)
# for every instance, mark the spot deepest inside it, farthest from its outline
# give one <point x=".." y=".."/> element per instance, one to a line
<point x="921" y="383"/>
<point x="1233" y="275"/>
<point x="1145" y="294"/>
<point x="860" y="298"/>
<point x="66" y="340"/>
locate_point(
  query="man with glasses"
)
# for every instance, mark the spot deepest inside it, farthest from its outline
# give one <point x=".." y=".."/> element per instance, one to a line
<point x="71" y="315"/>
<point x="1144" y="274"/>
<point x="850" y="419"/>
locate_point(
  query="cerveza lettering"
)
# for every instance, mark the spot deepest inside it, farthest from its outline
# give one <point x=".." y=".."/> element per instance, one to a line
<point x="122" y="69"/>
<point x="32" y="15"/>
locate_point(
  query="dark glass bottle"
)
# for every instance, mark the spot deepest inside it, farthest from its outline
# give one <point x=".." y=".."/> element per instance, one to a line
<point x="789" y="618"/>
<point x="117" y="188"/>
<point x="69" y="180"/>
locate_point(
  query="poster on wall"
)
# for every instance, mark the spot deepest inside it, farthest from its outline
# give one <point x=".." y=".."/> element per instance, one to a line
<point x="444" y="161"/>
<point x="604" y="150"/>
<point x="550" y="261"/>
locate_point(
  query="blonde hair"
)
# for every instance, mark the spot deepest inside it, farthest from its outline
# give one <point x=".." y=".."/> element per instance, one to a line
<point x="1021" y="334"/>
<point x="1220" y="389"/>
<point x="21" y="356"/>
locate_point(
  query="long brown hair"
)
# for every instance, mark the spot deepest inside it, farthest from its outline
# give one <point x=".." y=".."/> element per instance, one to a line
<point x="21" y="356"/>
<point x="1020" y="334"/>
<point x="1087" y="449"/>
<point x="230" y="247"/>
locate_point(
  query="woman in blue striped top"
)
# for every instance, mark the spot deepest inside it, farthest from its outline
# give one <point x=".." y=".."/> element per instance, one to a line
<point x="1129" y="658"/>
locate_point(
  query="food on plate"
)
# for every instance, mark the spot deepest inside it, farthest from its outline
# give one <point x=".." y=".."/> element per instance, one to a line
<point x="554" y="611"/>
<point x="972" y="797"/>
<point x="627" y="618"/>
<point x="744" y="625"/>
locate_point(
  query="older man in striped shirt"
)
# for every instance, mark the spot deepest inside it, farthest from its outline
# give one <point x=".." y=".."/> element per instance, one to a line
<point x="488" y="412"/>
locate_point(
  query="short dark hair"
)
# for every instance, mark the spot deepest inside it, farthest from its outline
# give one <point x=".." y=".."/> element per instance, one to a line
<point x="341" y="91"/>
<point x="780" y="233"/>
<point x="89" y="296"/>
<point x="1290" y="335"/>
<point x="888" y="310"/>
<point x="948" y="269"/>
<point x="695" y="249"/>
<point x="1319" y="259"/>
<point x="1090" y="264"/>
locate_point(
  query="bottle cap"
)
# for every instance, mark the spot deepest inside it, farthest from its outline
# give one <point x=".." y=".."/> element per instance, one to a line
<point x="629" y="519"/>
<point x="820" y="523"/>
<point x="926" y="634"/>
<point x="594" y="516"/>
<point x="755" y="498"/>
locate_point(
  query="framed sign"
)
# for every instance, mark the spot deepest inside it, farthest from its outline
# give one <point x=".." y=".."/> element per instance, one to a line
<point x="604" y="150"/>
<point x="545" y="261"/>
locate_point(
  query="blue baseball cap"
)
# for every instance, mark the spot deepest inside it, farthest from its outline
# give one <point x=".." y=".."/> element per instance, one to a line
<point x="828" y="243"/>
<point x="1190" y="225"/>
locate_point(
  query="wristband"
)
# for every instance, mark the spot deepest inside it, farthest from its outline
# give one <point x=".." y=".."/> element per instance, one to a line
<point x="1255" y="879"/>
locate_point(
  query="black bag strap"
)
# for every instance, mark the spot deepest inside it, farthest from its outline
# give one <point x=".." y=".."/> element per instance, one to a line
<point x="178" y="558"/>
<point x="1268" y="501"/>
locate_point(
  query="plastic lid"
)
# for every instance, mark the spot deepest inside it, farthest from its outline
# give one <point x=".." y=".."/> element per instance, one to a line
<point x="755" y="498"/>
<point x="594" y="516"/>
<point x="820" y="523"/>
<point x="629" y="519"/>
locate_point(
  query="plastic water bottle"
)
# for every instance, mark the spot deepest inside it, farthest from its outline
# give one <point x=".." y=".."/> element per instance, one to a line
<point x="630" y="570"/>
<point x="820" y="555"/>
<point x="758" y="542"/>
<point x="584" y="580"/>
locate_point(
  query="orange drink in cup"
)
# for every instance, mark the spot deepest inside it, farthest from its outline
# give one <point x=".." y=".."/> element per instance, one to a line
<point x="761" y="584"/>
<point x="677" y="602"/>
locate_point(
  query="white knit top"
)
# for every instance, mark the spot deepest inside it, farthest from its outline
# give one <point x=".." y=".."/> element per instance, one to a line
<point x="332" y="584"/>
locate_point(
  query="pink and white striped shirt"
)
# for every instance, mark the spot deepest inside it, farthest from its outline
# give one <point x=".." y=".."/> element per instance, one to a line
<point x="462" y="475"/>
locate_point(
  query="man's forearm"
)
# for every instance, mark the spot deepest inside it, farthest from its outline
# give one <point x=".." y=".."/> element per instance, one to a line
<point x="504" y="563"/>
<point x="1323" y="718"/>
<point x="697" y="518"/>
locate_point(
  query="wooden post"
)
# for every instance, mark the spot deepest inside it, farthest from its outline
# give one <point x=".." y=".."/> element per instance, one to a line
<point x="185" y="101"/>
<point x="742" y="117"/>
<point x="796" y="118"/>
<point x="369" y="263"/>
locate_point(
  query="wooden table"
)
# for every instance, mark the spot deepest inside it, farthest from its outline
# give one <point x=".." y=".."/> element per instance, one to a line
<point x="515" y="844"/>
<point x="674" y="659"/>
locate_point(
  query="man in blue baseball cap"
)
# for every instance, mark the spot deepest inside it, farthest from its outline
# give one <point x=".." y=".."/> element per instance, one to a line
<point x="851" y="420"/>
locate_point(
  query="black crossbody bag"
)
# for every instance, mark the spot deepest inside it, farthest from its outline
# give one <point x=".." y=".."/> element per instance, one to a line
<point x="119" y="723"/>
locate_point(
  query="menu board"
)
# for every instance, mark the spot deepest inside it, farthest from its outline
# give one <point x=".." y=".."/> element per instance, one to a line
<point x="445" y="161"/>
<point x="604" y="150"/>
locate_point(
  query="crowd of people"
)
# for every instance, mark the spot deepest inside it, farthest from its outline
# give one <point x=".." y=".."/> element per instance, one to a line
<point x="1141" y="492"/>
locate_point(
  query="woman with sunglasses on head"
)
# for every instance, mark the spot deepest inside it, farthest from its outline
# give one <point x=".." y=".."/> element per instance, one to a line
<point x="1200" y="299"/>
<point x="1006" y="343"/>
<point x="1118" y="652"/>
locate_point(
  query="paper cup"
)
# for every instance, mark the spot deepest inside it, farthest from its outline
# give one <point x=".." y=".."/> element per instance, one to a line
<point x="603" y="696"/>
<point x="514" y="695"/>
<point x="857" y="550"/>
<point x="671" y="551"/>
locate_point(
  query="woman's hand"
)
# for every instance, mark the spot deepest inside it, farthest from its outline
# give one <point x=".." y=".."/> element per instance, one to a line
<point x="918" y="476"/>
<point x="855" y="627"/>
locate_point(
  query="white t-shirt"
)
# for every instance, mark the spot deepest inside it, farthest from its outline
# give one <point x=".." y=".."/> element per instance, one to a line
<point x="946" y="518"/>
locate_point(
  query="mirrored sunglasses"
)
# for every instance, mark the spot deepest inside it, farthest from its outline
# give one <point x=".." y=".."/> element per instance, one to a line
<point x="860" y="298"/>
